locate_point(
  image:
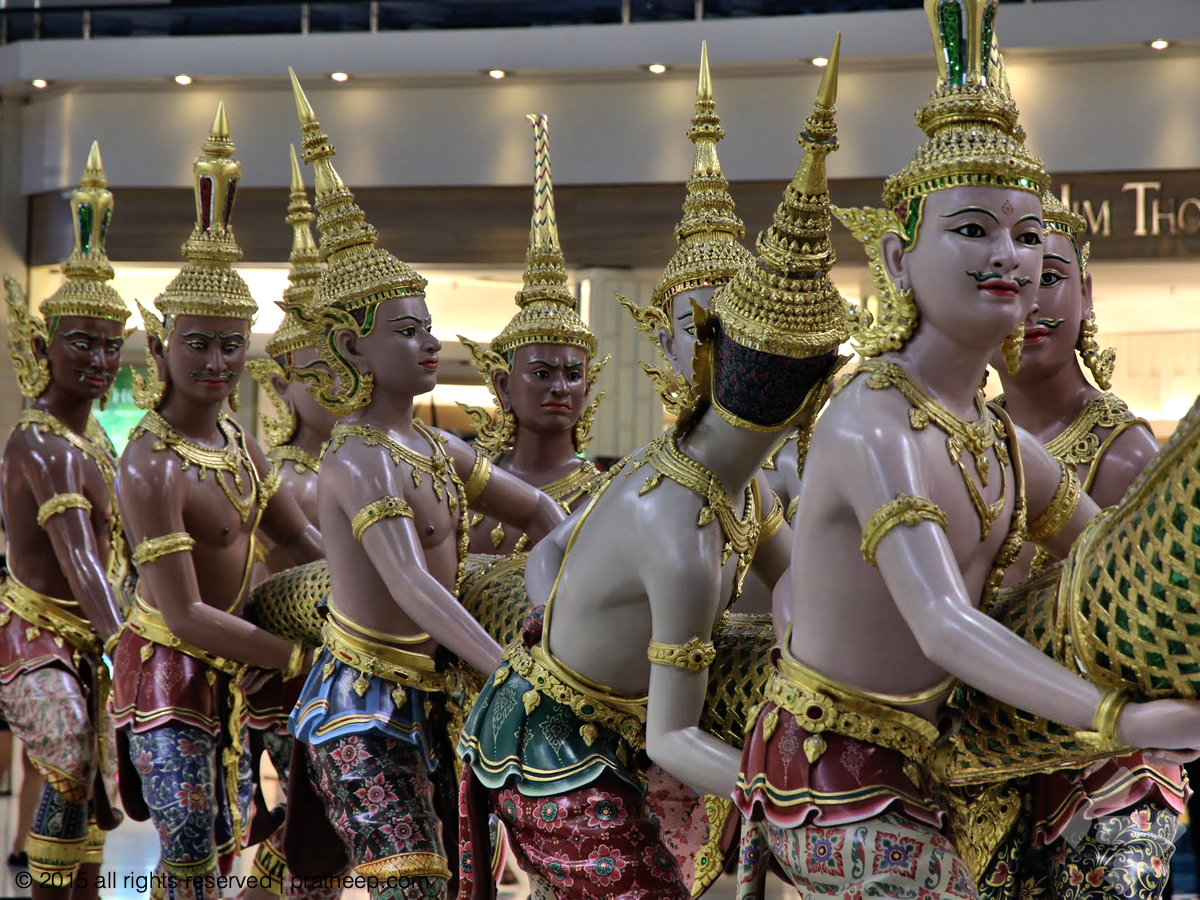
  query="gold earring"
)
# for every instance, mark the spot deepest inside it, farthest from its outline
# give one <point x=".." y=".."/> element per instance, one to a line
<point x="1010" y="348"/>
<point x="104" y="399"/>
<point x="1100" y="362"/>
<point x="235" y="399"/>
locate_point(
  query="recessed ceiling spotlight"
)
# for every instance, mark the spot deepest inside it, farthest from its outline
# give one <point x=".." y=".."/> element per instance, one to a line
<point x="656" y="68"/>
<point x="339" y="76"/>
<point x="497" y="73"/>
<point x="1160" y="44"/>
<point x="820" y="61"/>
<point x="40" y="83"/>
<point x="183" y="79"/>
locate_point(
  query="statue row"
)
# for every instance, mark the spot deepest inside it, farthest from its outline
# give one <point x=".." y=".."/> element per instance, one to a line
<point x="944" y="695"/>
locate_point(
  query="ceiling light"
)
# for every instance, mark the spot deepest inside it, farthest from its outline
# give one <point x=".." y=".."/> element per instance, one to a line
<point x="40" y="83"/>
<point x="1160" y="44"/>
<point x="820" y="61"/>
<point x="497" y="73"/>
<point x="339" y="76"/>
<point x="183" y="79"/>
<point x="656" y="68"/>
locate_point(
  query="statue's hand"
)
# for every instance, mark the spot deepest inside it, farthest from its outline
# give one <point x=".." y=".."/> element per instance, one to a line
<point x="1161" y="724"/>
<point x="1173" y="757"/>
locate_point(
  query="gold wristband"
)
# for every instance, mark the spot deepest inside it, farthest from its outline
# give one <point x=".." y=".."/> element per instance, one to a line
<point x="904" y="510"/>
<point x="376" y="511"/>
<point x="481" y="474"/>
<point x="59" y="504"/>
<point x="295" y="662"/>
<point x="694" y="656"/>
<point x="1062" y="507"/>
<point x="164" y="545"/>
<point x="1107" y="713"/>
<point x="771" y="522"/>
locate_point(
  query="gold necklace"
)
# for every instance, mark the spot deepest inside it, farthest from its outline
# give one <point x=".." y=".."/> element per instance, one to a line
<point x="563" y="491"/>
<point x="977" y="438"/>
<point x="229" y="458"/>
<point x="438" y="466"/>
<point x="301" y="458"/>
<point x="741" y="534"/>
<point x="1077" y="444"/>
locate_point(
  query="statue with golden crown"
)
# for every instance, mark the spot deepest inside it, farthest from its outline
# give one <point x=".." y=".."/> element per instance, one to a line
<point x="194" y="490"/>
<point x="558" y="743"/>
<point x="917" y="495"/>
<point x="540" y="370"/>
<point x="66" y="556"/>
<point x="393" y="496"/>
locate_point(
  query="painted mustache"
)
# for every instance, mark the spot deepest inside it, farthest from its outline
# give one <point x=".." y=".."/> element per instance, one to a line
<point x="981" y="277"/>
<point x="83" y="373"/>
<point x="211" y="376"/>
<point x="1049" y="324"/>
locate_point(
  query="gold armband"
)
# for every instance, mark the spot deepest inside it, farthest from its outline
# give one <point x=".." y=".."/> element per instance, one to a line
<point x="295" y="662"/>
<point x="59" y="504"/>
<point x="1107" y="713"/>
<point x="377" y="510"/>
<point x="694" y="656"/>
<point x="153" y="548"/>
<point x="1062" y="507"/>
<point x="481" y="474"/>
<point x="771" y="522"/>
<point x="904" y="510"/>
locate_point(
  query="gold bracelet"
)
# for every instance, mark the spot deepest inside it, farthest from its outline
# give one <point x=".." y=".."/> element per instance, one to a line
<point x="1062" y="507"/>
<point x="481" y="474"/>
<point x="295" y="662"/>
<point x="771" y="522"/>
<point x="111" y="644"/>
<point x="377" y="510"/>
<point x="59" y="504"/>
<point x="695" y="655"/>
<point x="1107" y="713"/>
<point x="904" y="510"/>
<point x="153" y="548"/>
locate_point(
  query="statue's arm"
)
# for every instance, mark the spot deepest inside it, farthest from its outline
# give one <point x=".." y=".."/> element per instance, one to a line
<point x="545" y="559"/>
<point x="153" y="492"/>
<point x="283" y="521"/>
<point x="506" y="497"/>
<point x="774" y="554"/>
<point x="394" y="549"/>
<point x="55" y="471"/>
<point x="1043" y="474"/>
<point x="683" y="583"/>
<point x="923" y="578"/>
<point x="1129" y="453"/>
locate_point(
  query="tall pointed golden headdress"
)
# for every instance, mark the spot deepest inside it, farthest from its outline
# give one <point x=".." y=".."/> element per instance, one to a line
<point x="1057" y="217"/>
<point x="306" y="269"/>
<point x="207" y="285"/>
<point x="547" y="312"/>
<point x="86" y="290"/>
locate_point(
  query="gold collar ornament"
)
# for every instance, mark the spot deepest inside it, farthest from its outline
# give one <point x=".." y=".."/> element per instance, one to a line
<point x="358" y="275"/>
<point x="709" y="237"/>
<point x="547" y="313"/>
<point x="974" y="138"/>
<point x="291" y="335"/>
<point x="85" y="292"/>
<point x="207" y="285"/>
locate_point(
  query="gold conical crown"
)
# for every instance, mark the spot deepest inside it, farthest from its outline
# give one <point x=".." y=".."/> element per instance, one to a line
<point x="547" y="314"/>
<point x="305" y="272"/>
<point x="86" y="291"/>
<point x="207" y="285"/>
<point x="357" y="274"/>
<point x="970" y="119"/>
<point x="783" y="303"/>
<point x="1058" y="218"/>
<point x="709" y="235"/>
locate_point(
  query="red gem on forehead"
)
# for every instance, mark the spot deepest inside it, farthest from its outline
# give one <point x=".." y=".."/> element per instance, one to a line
<point x="1007" y="208"/>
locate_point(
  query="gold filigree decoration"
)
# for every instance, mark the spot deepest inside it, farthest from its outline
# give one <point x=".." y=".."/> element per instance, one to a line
<point x="377" y="511"/>
<point x="1061" y="508"/>
<point x="904" y="510"/>
<point x="298" y="456"/>
<point x="148" y="388"/>
<point x="164" y="545"/>
<point x="673" y="389"/>
<point x="695" y="656"/>
<point x="59" y="504"/>
<point x="1100" y="362"/>
<point x="24" y="327"/>
<point x="280" y="427"/>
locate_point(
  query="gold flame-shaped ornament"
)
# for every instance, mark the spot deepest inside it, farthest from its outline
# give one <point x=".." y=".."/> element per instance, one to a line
<point x="85" y="291"/>
<point x="547" y="313"/>
<point x="358" y="275"/>
<point x="709" y="238"/>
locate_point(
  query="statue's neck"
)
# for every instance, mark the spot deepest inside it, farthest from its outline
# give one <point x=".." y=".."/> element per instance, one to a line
<point x="542" y="454"/>
<point x="387" y="410"/>
<point x="733" y="454"/>
<point x="308" y="438"/>
<point x="946" y="369"/>
<point x="70" y="410"/>
<point x="197" y="421"/>
<point x="1045" y="406"/>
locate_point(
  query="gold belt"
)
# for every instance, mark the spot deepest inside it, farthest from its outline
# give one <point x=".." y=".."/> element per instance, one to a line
<point x="821" y="704"/>
<point x="628" y="722"/>
<point x="44" y="612"/>
<point x="375" y="659"/>
<point x="148" y="623"/>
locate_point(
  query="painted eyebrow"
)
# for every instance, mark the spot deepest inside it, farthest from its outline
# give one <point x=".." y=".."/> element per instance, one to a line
<point x="1030" y="217"/>
<point x="416" y="319"/>
<point x="973" y="209"/>
<point x="203" y="334"/>
<point x="234" y="334"/>
<point x="1061" y="259"/>
<point x="685" y="315"/>
<point x="80" y="333"/>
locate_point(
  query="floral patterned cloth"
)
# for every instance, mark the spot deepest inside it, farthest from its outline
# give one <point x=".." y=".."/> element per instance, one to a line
<point x="184" y="787"/>
<point x="378" y="795"/>
<point x="887" y="856"/>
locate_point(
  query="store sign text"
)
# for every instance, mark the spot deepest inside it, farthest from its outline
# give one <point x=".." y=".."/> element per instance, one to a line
<point x="1153" y="215"/>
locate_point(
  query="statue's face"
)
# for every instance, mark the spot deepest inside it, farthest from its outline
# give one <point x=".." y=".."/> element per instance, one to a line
<point x="547" y="390"/>
<point x="205" y="356"/>
<point x="304" y="404"/>
<point x="975" y="267"/>
<point x="1052" y="326"/>
<point x="84" y="355"/>
<point x="680" y="343"/>
<point x="401" y="351"/>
